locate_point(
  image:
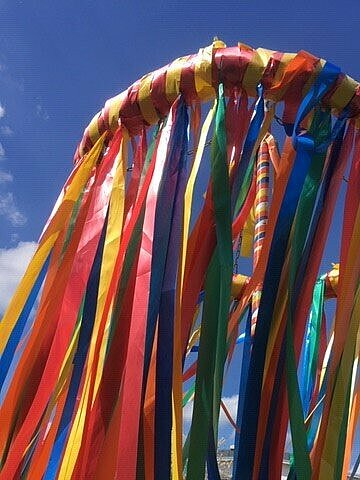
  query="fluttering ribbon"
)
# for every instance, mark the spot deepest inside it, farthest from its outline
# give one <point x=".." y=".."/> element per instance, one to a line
<point x="140" y="302"/>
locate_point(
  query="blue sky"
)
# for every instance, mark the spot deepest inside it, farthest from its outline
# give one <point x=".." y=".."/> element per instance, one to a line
<point x="60" y="61"/>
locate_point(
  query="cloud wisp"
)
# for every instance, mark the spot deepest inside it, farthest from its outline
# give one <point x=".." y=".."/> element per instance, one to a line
<point x="8" y="207"/>
<point x="42" y="113"/>
<point x="5" y="177"/>
<point x="10" y="211"/>
<point x="13" y="263"/>
<point x="6" y="131"/>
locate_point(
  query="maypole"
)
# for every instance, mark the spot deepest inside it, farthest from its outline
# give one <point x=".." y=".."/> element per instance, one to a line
<point x="135" y="269"/>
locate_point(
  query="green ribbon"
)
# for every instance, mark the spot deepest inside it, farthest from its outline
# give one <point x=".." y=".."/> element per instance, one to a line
<point x="320" y="130"/>
<point x="213" y="346"/>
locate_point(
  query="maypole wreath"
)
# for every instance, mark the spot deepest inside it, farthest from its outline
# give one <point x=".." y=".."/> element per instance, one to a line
<point x="135" y="300"/>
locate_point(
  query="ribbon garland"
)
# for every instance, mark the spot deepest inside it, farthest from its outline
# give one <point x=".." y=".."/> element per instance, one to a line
<point x="131" y="307"/>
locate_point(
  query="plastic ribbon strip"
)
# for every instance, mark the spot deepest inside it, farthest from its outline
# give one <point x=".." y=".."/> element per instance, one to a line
<point x="133" y="311"/>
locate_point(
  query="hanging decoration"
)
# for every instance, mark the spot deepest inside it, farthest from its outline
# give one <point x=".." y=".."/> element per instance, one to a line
<point x="189" y="240"/>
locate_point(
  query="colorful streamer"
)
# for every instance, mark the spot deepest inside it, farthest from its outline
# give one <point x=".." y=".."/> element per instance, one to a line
<point x="133" y="307"/>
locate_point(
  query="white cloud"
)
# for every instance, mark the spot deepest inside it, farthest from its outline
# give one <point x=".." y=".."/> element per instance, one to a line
<point x="9" y="210"/>
<point x="5" y="177"/>
<point x="2" y="111"/>
<point x="2" y="151"/>
<point x="231" y="438"/>
<point x="231" y="404"/>
<point x="14" y="237"/>
<point x="13" y="262"/>
<point x="6" y="131"/>
<point x="41" y="112"/>
<point x="187" y="412"/>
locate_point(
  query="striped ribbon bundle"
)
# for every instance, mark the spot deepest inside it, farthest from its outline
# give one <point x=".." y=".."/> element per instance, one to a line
<point x="135" y="270"/>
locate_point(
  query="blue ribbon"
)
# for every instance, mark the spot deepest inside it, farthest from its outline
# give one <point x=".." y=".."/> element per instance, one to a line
<point x="170" y="208"/>
<point x="243" y="381"/>
<point x="162" y="233"/>
<point x="16" y="334"/>
<point x="304" y="145"/>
